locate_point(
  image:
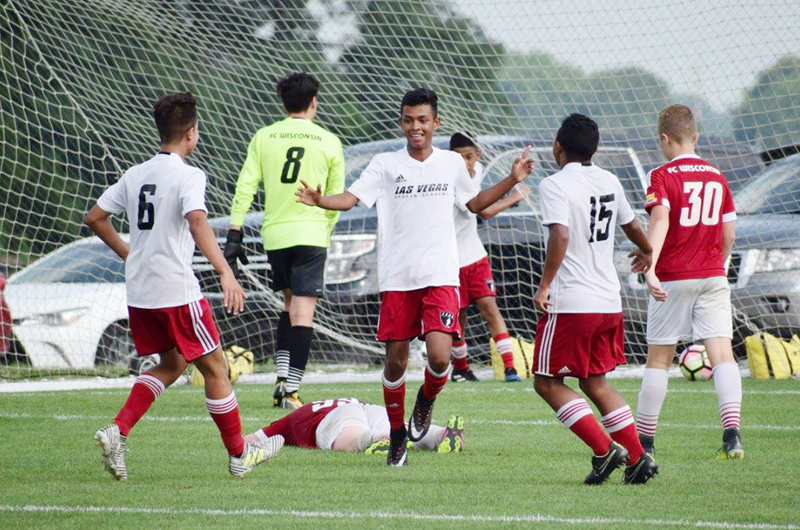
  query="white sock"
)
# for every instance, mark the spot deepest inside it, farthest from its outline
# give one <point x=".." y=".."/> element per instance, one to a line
<point x="369" y="437"/>
<point x="459" y="352"/>
<point x="728" y="385"/>
<point x="651" y="399"/>
<point x="432" y="438"/>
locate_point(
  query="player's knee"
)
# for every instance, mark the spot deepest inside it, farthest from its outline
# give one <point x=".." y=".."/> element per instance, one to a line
<point x="543" y="385"/>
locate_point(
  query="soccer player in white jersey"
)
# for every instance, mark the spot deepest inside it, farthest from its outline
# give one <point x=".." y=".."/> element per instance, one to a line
<point x="415" y="190"/>
<point x="475" y="274"/>
<point x="164" y="199"/>
<point x="692" y="232"/>
<point x="349" y="425"/>
<point x="581" y="332"/>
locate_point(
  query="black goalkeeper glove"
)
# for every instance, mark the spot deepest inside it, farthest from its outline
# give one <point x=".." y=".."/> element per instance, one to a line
<point x="235" y="249"/>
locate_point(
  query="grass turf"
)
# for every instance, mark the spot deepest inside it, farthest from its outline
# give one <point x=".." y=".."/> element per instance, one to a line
<point x="521" y="468"/>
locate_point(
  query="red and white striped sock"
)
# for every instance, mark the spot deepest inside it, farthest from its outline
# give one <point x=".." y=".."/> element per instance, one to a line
<point x="225" y="413"/>
<point x="394" y="397"/>
<point x="145" y="391"/>
<point x="503" y="343"/>
<point x="619" y="424"/>
<point x="459" y="354"/>
<point x="577" y="415"/>
<point x="728" y="385"/>
<point x="651" y="399"/>
<point x="434" y="383"/>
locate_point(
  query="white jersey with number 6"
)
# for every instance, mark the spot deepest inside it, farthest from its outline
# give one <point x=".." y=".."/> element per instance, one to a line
<point x="157" y="195"/>
<point x="590" y="202"/>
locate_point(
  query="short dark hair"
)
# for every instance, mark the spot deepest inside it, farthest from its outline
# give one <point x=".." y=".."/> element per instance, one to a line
<point x="461" y="139"/>
<point x="579" y="136"/>
<point x="421" y="96"/>
<point x="297" y="90"/>
<point x="174" y="115"/>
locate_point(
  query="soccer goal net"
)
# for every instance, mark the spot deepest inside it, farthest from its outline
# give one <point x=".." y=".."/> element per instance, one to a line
<point x="80" y="79"/>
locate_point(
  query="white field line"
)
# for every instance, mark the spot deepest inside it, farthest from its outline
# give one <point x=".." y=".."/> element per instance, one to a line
<point x="344" y="515"/>
<point x="542" y="423"/>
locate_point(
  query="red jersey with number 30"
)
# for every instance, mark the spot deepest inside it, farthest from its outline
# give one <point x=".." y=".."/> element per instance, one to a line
<point x="699" y="201"/>
<point x="300" y="427"/>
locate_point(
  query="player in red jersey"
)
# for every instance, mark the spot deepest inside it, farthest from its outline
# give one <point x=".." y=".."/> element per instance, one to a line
<point x="581" y="331"/>
<point x="414" y="190"/>
<point x="692" y="233"/>
<point x="164" y="199"/>
<point x="347" y="424"/>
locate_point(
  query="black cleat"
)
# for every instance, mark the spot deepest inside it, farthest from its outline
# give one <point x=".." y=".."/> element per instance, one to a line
<point x="603" y="466"/>
<point x="398" y="448"/>
<point x="732" y="447"/>
<point x="462" y="376"/>
<point x="643" y="470"/>
<point x="512" y="376"/>
<point x="420" y="419"/>
<point x="280" y="392"/>
<point x="648" y="444"/>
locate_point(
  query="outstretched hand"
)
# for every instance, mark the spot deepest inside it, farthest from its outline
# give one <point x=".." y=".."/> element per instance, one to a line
<point x="308" y="195"/>
<point x="522" y="166"/>
<point x="641" y="262"/>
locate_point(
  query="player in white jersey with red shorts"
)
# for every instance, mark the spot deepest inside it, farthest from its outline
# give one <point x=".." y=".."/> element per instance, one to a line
<point x="581" y="333"/>
<point x="164" y="199"/>
<point x="692" y="232"/>
<point x="475" y="274"/>
<point x="415" y="190"/>
<point x="349" y="425"/>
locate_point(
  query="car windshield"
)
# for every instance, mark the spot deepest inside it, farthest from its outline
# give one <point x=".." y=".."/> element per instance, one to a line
<point x="86" y="263"/>
<point x="776" y="191"/>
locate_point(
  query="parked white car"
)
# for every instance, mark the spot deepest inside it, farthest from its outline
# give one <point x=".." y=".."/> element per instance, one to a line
<point x="69" y="308"/>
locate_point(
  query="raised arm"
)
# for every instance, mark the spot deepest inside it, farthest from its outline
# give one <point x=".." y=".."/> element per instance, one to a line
<point x="314" y="197"/>
<point x="557" y="242"/>
<point x="232" y="293"/>
<point x="517" y="195"/>
<point x="519" y="171"/>
<point x="99" y="221"/>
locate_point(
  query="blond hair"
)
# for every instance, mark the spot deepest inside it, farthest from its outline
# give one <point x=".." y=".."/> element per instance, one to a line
<point x="677" y="122"/>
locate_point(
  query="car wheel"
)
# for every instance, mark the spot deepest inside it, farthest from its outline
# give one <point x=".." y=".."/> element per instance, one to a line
<point x="116" y="346"/>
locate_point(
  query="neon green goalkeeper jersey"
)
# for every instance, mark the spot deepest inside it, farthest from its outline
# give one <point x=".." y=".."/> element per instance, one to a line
<point x="282" y="155"/>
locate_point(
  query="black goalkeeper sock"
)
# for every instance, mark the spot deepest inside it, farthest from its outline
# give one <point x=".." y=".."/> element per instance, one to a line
<point x="282" y="345"/>
<point x="299" y="346"/>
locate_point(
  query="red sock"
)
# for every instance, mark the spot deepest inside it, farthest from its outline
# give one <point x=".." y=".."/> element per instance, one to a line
<point x="145" y="390"/>
<point x="619" y="424"/>
<point x="459" y="355"/>
<point x="578" y="416"/>
<point x="503" y="343"/>
<point x="394" y="397"/>
<point x="225" y="413"/>
<point x="434" y="383"/>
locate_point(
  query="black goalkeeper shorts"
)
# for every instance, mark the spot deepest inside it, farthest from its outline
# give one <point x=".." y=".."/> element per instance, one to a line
<point x="300" y="269"/>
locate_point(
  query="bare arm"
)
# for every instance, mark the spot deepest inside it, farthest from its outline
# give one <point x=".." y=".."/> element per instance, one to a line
<point x="728" y="238"/>
<point x="643" y="256"/>
<point x="520" y="192"/>
<point x="232" y="293"/>
<point x="656" y="234"/>
<point x="314" y="197"/>
<point x="99" y="221"/>
<point x="557" y="243"/>
<point x="519" y="171"/>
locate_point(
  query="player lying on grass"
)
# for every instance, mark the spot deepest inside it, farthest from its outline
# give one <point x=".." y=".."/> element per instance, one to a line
<point x="415" y="190"/>
<point x="475" y="273"/>
<point x="581" y="333"/>
<point x="692" y="232"/>
<point x="347" y="424"/>
<point x="164" y="199"/>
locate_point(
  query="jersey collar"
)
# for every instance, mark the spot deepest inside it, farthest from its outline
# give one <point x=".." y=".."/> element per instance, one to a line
<point x="680" y="157"/>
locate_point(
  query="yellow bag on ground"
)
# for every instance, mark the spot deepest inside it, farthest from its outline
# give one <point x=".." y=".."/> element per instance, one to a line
<point x="523" y="358"/>
<point x="240" y="361"/>
<point x="768" y="355"/>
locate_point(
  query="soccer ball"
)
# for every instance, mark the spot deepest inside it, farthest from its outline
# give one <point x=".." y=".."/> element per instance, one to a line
<point x="694" y="363"/>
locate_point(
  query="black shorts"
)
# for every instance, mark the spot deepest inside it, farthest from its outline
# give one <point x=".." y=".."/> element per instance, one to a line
<point x="300" y="269"/>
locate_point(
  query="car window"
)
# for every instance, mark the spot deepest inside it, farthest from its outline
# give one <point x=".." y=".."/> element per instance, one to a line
<point x="87" y="263"/>
<point x="777" y="190"/>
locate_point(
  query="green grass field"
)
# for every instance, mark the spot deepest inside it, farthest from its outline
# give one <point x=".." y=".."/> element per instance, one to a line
<point x="521" y="468"/>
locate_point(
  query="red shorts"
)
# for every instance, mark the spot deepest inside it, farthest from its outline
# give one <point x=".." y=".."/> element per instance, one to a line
<point x="408" y="314"/>
<point x="190" y="328"/>
<point x="476" y="281"/>
<point x="578" y="344"/>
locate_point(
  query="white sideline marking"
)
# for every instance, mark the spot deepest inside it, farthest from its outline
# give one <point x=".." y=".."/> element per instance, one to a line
<point x="542" y="423"/>
<point x="537" y="518"/>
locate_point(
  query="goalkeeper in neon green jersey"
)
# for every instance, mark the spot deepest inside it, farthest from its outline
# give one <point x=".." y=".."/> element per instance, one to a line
<point x="295" y="237"/>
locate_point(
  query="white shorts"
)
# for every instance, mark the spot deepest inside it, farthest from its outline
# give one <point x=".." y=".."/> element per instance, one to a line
<point x="694" y="310"/>
<point x="370" y="417"/>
